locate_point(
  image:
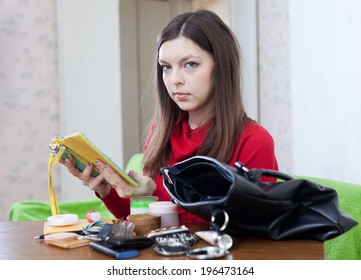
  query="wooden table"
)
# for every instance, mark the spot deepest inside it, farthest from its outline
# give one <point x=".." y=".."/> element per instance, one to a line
<point x="17" y="243"/>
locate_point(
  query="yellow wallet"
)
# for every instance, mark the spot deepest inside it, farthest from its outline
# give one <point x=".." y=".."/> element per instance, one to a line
<point x="81" y="151"/>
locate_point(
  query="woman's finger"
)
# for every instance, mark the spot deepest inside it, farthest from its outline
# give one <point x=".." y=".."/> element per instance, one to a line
<point x="72" y="169"/>
<point x="86" y="174"/>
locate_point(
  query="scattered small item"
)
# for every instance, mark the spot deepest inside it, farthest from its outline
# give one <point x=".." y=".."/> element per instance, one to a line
<point x="207" y="253"/>
<point x="62" y="220"/>
<point x="93" y="216"/>
<point x="66" y="240"/>
<point x="221" y="240"/>
<point x="171" y="248"/>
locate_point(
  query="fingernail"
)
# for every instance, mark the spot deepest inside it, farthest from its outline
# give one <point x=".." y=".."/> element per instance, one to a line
<point x="106" y="166"/>
<point x="96" y="163"/>
<point x="130" y="173"/>
<point x="89" y="164"/>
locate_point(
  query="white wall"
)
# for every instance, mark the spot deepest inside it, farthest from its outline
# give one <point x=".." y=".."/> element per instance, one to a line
<point x="243" y="14"/>
<point x="325" y="61"/>
<point x="89" y="63"/>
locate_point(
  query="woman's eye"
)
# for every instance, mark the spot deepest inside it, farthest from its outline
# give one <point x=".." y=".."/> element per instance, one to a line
<point x="165" y="68"/>
<point x="191" y="65"/>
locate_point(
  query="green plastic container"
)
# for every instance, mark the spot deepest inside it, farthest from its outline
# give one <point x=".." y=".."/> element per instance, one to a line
<point x="140" y="204"/>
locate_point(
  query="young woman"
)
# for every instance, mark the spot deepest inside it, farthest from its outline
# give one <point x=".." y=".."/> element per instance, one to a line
<point x="199" y="112"/>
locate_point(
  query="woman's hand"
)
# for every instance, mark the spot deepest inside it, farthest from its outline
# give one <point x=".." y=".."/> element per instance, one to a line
<point x="122" y="187"/>
<point x="146" y="185"/>
<point x="94" y="183"/>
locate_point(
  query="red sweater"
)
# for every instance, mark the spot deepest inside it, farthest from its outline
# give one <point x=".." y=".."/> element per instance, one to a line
<point x="255" y="149"/>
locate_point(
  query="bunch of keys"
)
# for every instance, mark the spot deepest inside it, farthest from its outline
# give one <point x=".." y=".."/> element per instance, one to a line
<point x="120" y="234"/>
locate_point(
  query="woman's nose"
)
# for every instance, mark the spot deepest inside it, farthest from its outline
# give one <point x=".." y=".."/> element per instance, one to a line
<point x="177" y="77"/>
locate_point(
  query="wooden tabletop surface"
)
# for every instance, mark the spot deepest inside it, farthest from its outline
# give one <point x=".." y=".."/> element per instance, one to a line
<point x="17" y="243"/>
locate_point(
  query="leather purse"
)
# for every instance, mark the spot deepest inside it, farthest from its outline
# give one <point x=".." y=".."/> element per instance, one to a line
<point x="234" y="200"/>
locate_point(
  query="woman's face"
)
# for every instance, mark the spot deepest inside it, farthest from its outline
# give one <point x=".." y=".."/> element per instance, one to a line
<point x="188" y="75"/>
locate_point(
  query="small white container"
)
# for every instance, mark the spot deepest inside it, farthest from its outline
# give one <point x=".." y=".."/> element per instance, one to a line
<point x="62" y="220"/>
<point x="168" y="212"/>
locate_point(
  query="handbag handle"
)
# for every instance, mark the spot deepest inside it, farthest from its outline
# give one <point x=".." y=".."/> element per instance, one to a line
<point x="255" y="174"/>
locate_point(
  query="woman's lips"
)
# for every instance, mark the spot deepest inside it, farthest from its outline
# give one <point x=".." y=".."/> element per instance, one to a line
<point x="181" y="96"/>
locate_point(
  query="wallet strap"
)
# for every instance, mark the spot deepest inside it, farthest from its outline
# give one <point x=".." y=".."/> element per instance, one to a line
<point x="53" y="160"/>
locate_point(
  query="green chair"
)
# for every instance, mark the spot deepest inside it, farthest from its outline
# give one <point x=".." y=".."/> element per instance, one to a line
<point x="33" y="210"/>
<point x="346" y="246"/>
<point x="135" y="163"/>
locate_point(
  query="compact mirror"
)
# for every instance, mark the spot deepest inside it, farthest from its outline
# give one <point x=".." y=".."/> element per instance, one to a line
<point x="207" y="253"/>
<point x="171" y="248"/>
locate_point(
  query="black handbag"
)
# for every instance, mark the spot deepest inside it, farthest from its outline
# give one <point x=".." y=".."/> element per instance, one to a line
<point x="234" y="200"/>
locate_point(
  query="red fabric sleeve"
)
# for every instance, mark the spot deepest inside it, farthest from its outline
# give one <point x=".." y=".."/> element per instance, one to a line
<point x="119" y="207"/>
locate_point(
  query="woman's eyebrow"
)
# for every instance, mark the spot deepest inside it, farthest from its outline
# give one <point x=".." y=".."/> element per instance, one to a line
<point x="182" y="60"/>
<point x="162" y="61"/>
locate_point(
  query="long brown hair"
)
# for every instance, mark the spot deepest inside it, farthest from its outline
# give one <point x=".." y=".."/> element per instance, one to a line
<point x="210" y="33"/>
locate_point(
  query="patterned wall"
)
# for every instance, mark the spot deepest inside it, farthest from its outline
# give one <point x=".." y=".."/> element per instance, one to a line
<point x="29" y="102"/>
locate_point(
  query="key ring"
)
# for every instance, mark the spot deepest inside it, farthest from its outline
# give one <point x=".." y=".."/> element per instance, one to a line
<point x="93" y="227"/>
<point x="225" y="222"/>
